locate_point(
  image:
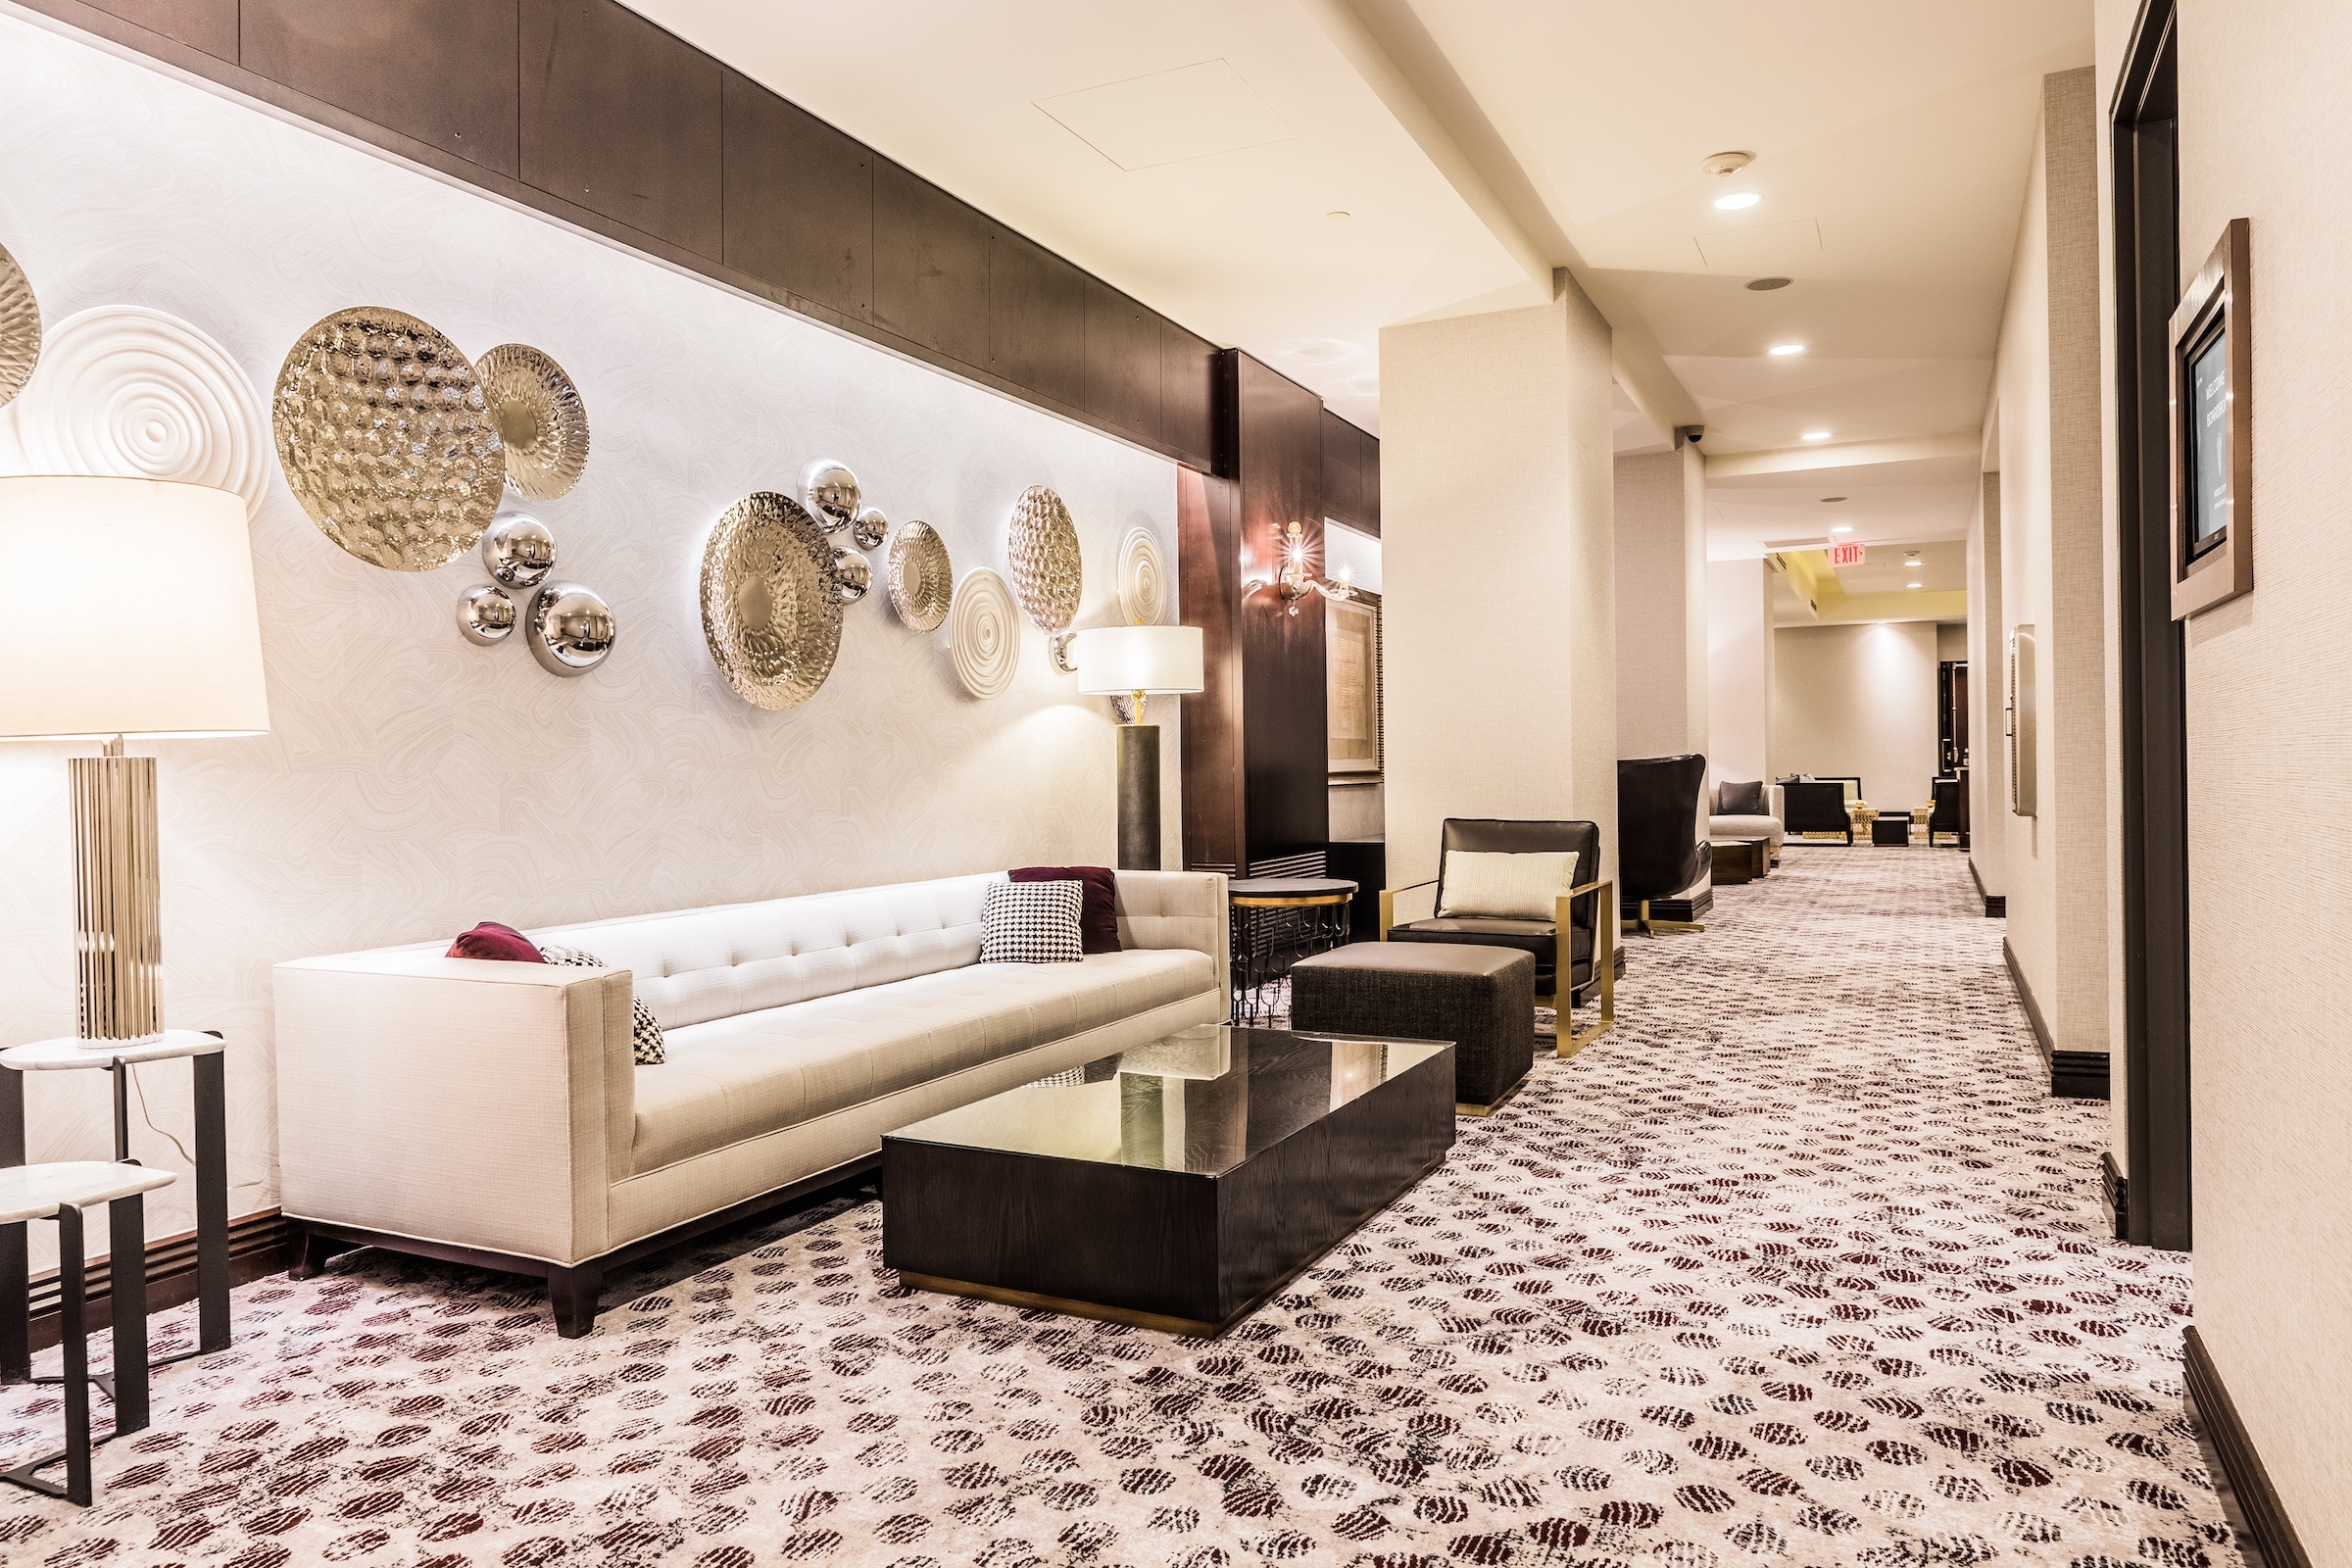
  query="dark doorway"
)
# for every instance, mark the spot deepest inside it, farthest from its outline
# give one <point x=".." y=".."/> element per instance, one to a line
<point x="1951" y="716"/>
<point x="2155" y="1192"/>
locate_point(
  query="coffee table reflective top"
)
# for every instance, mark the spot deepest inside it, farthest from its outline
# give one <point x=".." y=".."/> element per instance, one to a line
<point x="1202" y="1101"/>
<point x="1176" y="1184"/>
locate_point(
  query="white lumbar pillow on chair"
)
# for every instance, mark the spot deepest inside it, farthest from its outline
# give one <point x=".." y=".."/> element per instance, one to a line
<point x="1508" y="887"/>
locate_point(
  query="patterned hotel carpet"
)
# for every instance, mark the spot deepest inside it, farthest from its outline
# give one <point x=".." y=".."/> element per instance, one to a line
<point x="1797" y="1267"/>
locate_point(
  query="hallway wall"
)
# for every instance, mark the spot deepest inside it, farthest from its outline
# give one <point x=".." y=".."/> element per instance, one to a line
<point x="1739" y="669"/>
<point x="1861" y="700"/>
<point x="2264" y="137"/>
<point x="1661" y="575"/>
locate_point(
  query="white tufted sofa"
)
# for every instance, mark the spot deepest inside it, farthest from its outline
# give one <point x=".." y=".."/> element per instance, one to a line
<point x="492" y="1112"/>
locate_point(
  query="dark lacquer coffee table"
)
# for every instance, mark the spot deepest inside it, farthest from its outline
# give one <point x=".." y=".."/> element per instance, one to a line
<point x="1176" y="1186"/>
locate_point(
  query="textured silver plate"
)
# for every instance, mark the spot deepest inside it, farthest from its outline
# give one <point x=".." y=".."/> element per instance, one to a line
<point x="771" y="602"/>
<point x="922" y="585"/>
<point x="386" y="439"/>
<point x="1043" y="550"/>
<point x="542" y="424"/>
<point x="19" y="327"/>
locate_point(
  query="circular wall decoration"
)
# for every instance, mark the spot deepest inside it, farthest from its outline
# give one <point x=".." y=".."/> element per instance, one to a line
<point x="771" y="604"/>
<point x="983" y="634"/>
<point x="829" y="492"/>
<point x="1142" y="578"/>
<point x="921" y="583"/>
<point x="871" y="528"/>
<point x="19" y="327"/>
<point x="853" y="574"/>
<point x="486" y="615"/>
<point x="387" y="440"/>
<point x="129" y="391"/>
<point x="519" y="550"/>
<point x="542" y="424"/>
<point x="569" y="629"/>
<point x="1043" y="548"/>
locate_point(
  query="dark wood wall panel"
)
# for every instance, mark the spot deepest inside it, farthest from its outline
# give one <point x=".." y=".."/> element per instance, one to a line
<point x="623" y="119"/>
<point x="587" y="112"/>
<point x="798" y="201"/>
<point x="207" y="25"/>
<point x="1278" y="439"/>
<point x="1367" y="476"/>
<point x="1209" y="590"/>
<point x="1035" y="318"/>
<point x="440" y="70"/>
<point x="1342" y="486"/>
<point x="931" y="255"/>
<point x="1122" y="362"/>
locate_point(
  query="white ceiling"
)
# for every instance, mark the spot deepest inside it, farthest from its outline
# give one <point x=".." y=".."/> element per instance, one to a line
<point x="1190" y="151"/>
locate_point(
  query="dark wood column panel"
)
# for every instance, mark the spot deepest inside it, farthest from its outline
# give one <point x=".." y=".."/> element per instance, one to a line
<point x="1350" y="475"/>
<point x="587" y="112"/>
<point x="440" y="70"/>
<point x="1257" y="761"/>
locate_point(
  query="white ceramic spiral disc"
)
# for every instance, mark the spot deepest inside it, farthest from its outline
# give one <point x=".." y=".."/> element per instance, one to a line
<point x="134" y="392"/>
<point x="983" y="634"/>
<point x="1142" y="578"/>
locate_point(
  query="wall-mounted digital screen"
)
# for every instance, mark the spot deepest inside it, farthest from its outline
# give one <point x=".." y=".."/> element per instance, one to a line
<point x="2208" y="476"/>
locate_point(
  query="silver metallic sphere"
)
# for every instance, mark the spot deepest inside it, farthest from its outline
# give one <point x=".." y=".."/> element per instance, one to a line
<point x="570" y="629"/>
<point x="871" y="528"/>
<point x="486" y="615"/>
<point x="851" y="575"/>
<point x="519" y="550"/>
<point x="829" y="490"/>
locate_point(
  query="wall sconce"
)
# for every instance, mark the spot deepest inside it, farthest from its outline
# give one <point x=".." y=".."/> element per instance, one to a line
<point x="1294" y="582"/>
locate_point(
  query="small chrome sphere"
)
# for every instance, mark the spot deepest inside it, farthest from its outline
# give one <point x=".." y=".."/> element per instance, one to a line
<point x="871" y="528"/>
<point x="519" y="550"/>
<point x="569" y="629"/>
<point x="829" y="490"/>
<point x="851" y="575"/>
<point x="486" y="615"/>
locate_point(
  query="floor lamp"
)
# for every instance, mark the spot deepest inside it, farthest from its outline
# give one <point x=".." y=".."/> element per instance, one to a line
<point x="1138" y="663"/>
<point x="127" y="612"/>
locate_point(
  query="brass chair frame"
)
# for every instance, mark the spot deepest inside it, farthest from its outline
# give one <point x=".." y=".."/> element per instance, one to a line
<point x="1604" y="959"/>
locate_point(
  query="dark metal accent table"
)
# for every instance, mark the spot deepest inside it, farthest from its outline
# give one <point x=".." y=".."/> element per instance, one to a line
<point x="1738" y="860"/>
<point x="206" y="1051"/>
<point x="1176" y="1186"/>
<point x="1276" y="920"/>
<point x="1891" y="827"/>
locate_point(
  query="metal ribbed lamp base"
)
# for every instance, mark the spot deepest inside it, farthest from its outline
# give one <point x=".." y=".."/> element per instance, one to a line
<point x="118" y="897"/>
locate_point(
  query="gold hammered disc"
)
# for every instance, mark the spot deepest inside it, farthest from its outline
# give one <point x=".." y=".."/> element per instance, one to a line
<point x="771" y="608"/>
<point x="542" y="424"/>
<point x="386" y="439"/>
<point x="922" y="584"/>
<point x="19" y="327"/>
<point x="1043" y="552"/>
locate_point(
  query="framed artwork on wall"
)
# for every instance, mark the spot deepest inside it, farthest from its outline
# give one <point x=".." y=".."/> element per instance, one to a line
<point x="2213" y="433"/>
<point x="1352" y="681"/>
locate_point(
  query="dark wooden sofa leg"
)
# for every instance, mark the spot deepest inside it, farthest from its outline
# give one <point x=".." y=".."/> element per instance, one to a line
<point x="307" y="1252"/>
<point x="572" y="1293"/>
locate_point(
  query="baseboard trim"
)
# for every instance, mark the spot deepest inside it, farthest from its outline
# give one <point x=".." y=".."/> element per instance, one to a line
<point x="256" y="1249"/>
<point x="2266" y="1516"/>
<point x="2073" y="1074"/>
<point x="2115" y="1192"/>
<point x="1996" y="904"/>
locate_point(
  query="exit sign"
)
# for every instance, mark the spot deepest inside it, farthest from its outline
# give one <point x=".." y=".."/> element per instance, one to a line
<point x="1845" y="555"/>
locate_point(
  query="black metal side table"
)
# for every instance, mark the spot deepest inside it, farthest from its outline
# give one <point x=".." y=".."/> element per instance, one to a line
<point x="206" y="1051"/>
<point x="1276" y="921"/>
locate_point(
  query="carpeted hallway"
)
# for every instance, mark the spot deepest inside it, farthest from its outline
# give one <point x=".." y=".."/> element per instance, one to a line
<point x="1798" y="1267"/>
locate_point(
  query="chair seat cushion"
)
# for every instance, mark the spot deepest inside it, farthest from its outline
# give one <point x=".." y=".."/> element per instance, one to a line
<point x="1747" y="827"/>
<point x="1528" y="936"/>
<point x="734" y="1078"/>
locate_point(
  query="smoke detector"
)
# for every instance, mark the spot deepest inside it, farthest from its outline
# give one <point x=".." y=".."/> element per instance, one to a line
<point x="1722" y="165"/>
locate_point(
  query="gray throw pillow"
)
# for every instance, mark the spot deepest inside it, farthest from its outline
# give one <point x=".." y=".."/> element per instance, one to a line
<point x="1742" y="799"/>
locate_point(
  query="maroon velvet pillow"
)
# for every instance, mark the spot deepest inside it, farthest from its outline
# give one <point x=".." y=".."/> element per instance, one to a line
<point x="1097" y="900"/>
<point x="490" y="940"/>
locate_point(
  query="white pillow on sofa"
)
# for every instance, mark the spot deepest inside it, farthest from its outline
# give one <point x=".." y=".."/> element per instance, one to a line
<point x="1506" y="887"/>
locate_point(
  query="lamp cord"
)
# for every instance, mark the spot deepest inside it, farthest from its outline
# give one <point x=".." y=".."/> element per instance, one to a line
<point x="148" y="1117"/>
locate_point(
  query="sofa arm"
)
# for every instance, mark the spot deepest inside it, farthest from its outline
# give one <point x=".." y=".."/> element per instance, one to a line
<point x="487" y="1105"/>
<point x="1176" y="910"/>
<point x="1778" y="803"/>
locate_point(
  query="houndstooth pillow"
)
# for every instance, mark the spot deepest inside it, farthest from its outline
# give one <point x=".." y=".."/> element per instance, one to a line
<point x="1031" y="922"/>
<point x="646" y="1045"/>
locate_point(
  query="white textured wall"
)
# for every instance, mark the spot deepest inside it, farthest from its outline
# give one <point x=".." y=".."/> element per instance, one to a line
<point x="2265" y="138"/>
<point x="1988" y="693"/>
<point x="1739" y="669"/>
<point x="1859" y="700"/>
<point x="412" y="784"/>
<point x="1661" y="519"/>
<point x="1501" y="643"/>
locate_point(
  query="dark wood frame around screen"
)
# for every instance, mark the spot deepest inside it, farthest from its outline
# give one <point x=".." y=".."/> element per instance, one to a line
<point x="2216" y="301"/>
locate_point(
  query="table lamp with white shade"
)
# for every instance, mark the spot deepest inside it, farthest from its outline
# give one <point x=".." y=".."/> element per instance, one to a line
<point x="127" y="612"/>
<point x="1140" y="662"/>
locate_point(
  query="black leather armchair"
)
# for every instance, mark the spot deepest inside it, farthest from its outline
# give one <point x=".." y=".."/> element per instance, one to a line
<point x="1945" y="818"/>
<point x="1659" y="852"/>
<point x="1571" y="941"/>
<point x="1817" y="806"/>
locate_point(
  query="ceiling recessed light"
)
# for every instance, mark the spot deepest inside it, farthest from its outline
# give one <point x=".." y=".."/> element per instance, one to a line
<point x="1336" y="217"/>
<point x="1765" y="285"/>
<point x="1737" y="201"/>
<point x="1817" y="435"/>
<point x="1831" y="501"/>
<point x="1910" y="586"/>
<point x="1781" y="351"/>
<point x="1844" y="528"/>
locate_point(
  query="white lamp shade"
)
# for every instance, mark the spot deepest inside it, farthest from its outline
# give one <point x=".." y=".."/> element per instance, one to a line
<point x="127" y="607"/>
<point x="1156" y="661"/>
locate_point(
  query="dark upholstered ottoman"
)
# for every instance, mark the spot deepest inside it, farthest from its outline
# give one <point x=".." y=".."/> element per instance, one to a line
<point x="1482" y="998"/>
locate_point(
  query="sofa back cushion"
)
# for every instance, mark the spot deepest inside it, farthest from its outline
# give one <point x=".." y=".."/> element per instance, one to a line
<point x="695" y="966"/>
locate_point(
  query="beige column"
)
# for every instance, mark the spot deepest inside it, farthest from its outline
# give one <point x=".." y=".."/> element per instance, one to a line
<point x="1988" y="695"/>
<point x="1661" y="537"/>
<point x="1739" y="669"/>
<point x="1497" y="543"/>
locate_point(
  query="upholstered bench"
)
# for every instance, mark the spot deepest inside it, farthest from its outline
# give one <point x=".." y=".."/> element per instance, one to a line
<point x="1482" y="998"/>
